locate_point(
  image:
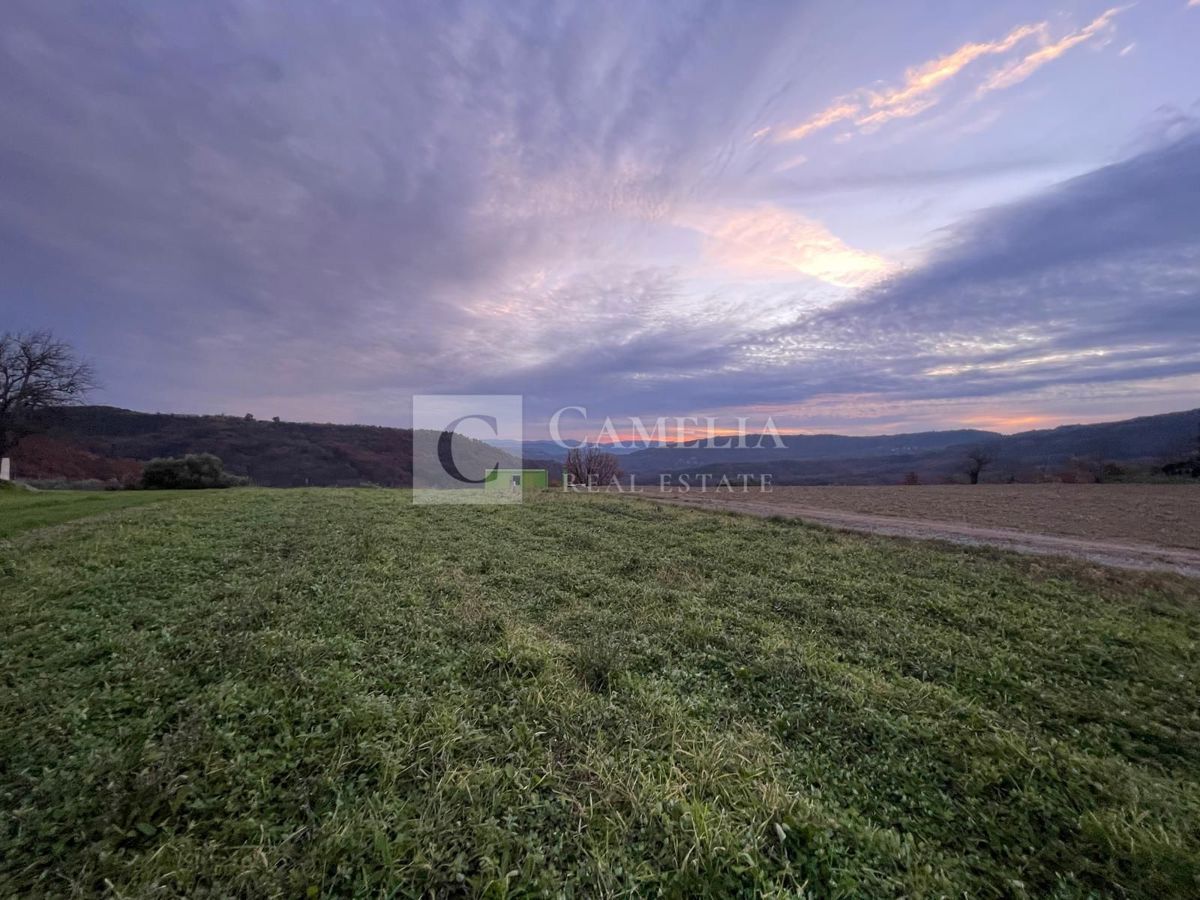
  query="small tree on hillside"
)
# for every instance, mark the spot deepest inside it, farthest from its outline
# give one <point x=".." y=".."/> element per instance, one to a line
<point x="591" y="466"/>
<point x="977" y="460"/>
<point x="37" y="371"/>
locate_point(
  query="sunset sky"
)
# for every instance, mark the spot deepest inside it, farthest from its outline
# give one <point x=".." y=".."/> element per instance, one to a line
<point x="854" y="216"/>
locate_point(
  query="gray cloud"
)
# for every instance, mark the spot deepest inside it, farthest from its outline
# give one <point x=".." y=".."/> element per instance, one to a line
<point x="316" y="211"/>
<point x="313" y="199"/>
<point x="1107" y="263"/>
<point x="1094" y="282"/>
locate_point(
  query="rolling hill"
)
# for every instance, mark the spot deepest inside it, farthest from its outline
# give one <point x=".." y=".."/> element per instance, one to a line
<point x="86" y="440"/>
<point x="1066" y="451"/>
<point x="107" y="443"/>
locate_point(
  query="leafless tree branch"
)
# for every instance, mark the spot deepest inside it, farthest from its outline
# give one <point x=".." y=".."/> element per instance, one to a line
<point x="37" y="371"/>
<point x="591" y="466"/>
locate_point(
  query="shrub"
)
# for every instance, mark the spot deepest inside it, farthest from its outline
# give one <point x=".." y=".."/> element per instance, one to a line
<point x="196" y="470"/>
<point x="1187" y="468"/>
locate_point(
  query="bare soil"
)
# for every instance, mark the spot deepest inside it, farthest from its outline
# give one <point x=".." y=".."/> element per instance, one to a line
<point x="1127" y="525"/>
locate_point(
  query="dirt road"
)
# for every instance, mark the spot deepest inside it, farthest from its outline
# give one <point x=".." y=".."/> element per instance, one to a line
<point x="1123" y="553"/>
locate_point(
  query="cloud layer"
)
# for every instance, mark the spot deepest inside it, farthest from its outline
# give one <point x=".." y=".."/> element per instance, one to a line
<point x="1093" y="285"/>
<point x="317" y="212"/>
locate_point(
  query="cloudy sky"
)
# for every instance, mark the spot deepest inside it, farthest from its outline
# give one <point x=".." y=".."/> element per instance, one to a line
<point x="853" y="216"/>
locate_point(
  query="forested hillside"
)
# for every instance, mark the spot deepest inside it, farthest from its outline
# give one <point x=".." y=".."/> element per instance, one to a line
<point x="85" y="441"/>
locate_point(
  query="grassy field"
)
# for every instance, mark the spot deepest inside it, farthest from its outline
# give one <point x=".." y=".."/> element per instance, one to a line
<point x="21" y="510"/>
<point x="254" y="693"/>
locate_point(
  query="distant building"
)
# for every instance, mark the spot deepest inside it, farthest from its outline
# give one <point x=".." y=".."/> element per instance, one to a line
<point x="514" y="480"/>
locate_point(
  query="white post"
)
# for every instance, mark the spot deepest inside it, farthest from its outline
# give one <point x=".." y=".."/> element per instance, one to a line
<point x="4" y="473"/>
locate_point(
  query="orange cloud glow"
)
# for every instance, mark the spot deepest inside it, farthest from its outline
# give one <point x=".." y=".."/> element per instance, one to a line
<point x="1016" y="72"/>
<point x="772" y="242"/>
<point x="1009" y="423"/>
<point x="921" y="89"/>
<point x="920" y="81"/>
<point x="840" y="111"/>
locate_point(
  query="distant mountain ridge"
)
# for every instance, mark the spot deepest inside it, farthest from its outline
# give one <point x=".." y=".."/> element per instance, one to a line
<point x="803" y="447"/>
<point x="551" y="450"/>
<point x="1065" y="451"/>
<point x="105" y="442"/>
<point x="796" y="446"/>
<point x="930" y="455"/>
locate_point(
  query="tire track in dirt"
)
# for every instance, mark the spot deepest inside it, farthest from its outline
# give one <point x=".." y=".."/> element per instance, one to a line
<point x="1121" y="554"/>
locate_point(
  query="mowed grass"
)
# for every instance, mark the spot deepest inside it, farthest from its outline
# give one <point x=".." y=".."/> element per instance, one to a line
<point x="21" y="510"/>
<point x="291" y="693"/>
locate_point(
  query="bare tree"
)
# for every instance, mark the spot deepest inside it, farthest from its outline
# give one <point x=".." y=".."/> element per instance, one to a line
<point x="591" y="466"/>
<point x="977" y="460"/>
<point x="37" y="371"/>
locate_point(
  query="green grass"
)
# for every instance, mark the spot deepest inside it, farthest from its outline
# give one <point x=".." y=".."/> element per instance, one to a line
<point x="21" y="510"/>
<point x="253" y="693"/>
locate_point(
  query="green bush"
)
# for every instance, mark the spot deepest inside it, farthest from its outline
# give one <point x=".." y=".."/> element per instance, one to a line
<point x="196" y="470"/>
